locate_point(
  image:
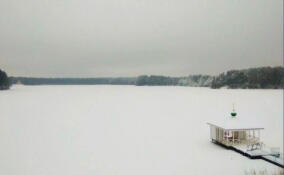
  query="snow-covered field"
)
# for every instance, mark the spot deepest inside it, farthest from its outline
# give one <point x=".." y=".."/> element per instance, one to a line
<point x="128" y="130"/>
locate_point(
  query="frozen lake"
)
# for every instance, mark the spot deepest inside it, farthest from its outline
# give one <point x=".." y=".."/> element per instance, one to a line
<point x="128" y="130"/>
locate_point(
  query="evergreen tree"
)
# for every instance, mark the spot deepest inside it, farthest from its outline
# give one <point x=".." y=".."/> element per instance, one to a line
<point x="4" y="81"/>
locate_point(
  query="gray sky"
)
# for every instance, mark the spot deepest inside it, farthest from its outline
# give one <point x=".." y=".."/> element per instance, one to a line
<point x="100" y="38"/>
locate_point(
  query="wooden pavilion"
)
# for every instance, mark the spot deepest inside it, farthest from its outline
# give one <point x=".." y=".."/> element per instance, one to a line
<point x="230" y="136"/>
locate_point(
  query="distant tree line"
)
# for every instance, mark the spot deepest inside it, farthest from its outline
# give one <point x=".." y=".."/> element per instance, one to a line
<point x="4" y="81"/>
<point x="192" y="80"/>
<point x="154" y="80"/>
<point x="72" y="81"/>
<point x="253" y="78"/>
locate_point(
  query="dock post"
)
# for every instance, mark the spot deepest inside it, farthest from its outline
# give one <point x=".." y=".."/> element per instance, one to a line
<point x="249" y="140"/>
<point x="233" y="137"/>
<point x="227" y="132"/>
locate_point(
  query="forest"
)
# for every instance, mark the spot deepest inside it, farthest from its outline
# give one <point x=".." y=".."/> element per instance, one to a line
<point x="72" y="81"/>
<point x="252" y="78"/>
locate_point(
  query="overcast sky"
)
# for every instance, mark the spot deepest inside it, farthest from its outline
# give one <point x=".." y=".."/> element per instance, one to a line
<point x="101" y="38"/>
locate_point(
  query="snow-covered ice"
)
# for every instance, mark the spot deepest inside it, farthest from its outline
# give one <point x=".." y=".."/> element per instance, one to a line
<point x="129" y="130"/>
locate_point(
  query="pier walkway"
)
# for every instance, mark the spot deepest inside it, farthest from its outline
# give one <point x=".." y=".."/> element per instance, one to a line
<point x="264" y="153"/>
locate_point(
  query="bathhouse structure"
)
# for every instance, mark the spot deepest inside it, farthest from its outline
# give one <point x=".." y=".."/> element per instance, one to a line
<point x="232" y="133"/>
<point x="237" y="134"/>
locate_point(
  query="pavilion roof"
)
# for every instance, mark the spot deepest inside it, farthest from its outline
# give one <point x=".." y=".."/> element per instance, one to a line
<point x="236" y="123"/>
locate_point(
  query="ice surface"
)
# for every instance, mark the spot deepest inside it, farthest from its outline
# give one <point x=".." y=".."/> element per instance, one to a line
<point x="128" y="130"/>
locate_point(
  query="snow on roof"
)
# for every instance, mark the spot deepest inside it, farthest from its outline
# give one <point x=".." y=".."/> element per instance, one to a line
<point x="236" y="123"/>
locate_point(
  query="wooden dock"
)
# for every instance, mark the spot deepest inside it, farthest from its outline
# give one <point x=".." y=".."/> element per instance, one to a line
<point x="276" y="159"/>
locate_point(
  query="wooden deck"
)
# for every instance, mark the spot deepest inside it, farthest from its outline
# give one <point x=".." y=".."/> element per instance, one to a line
<point x="255" y="154"/>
